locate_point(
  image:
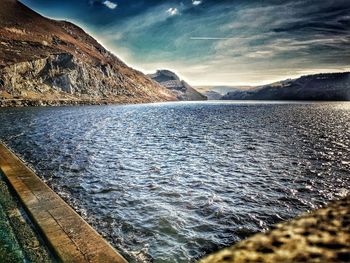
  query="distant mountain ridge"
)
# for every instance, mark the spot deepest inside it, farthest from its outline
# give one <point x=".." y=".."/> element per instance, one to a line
<point x="217" y="92"/>
<point x="319" y="87"/>
<point x="47" y="60"/>
<point x="181" y="89"/>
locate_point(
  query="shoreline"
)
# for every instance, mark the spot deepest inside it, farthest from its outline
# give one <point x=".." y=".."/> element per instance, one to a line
<point x="322" y="235"/>
<point x="21" y="103"/>
<point x="68" y="236"/>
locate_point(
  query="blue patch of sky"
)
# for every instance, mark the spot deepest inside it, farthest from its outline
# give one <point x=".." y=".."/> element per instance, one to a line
<point x="221" y="41"/>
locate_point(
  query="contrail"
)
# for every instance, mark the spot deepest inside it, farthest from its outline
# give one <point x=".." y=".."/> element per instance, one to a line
<point x="210" y="38"/>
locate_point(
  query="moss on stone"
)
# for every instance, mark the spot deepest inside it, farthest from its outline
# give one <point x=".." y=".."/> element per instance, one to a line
<point x="9" y="248"/>
<point x="18" y="240"/>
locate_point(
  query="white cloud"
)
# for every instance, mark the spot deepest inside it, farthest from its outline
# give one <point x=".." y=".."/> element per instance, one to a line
<point x="110" y="4"/>
<point x="196" y="2"/>
<point x="172" y="11"/>
<point x="241" y="52"/>
<point x="260" y="54"/>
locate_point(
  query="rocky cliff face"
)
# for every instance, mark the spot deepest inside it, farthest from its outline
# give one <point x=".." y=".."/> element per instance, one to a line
<point x="48" y="60"/>
<point x="328" y="86"/>
<point x="181" y="89"/>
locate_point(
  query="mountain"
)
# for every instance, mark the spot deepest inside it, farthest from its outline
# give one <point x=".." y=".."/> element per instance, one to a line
<point x="44" y="61"/>
<point x="327" y="86"/>
<point x="217" y="92"/>
<point x="212" y="95"/>
<point x="178" y="87"/>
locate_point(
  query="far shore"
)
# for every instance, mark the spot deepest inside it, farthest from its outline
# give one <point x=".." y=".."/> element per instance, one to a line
<point x="18" y="103"/>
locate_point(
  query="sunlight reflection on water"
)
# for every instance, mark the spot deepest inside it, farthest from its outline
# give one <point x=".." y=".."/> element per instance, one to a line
<point x="172" y="182"/>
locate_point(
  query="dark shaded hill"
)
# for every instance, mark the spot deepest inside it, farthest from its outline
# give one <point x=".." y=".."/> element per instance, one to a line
<point x="322" y="87"/>
<point x="181" y="89"/>
<point x="44" y="59"/>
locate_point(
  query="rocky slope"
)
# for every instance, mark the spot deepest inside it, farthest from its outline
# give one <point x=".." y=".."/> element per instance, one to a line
<point x="328" y="86"/>
<point x="43" y="61"/>
<point x="178" y="87"/>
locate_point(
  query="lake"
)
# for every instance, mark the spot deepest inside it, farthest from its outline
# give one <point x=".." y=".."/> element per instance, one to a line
<point x="172" y="182"/>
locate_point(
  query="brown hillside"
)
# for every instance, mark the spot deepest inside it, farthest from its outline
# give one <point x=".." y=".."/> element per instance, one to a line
<point x="58" y="60"/>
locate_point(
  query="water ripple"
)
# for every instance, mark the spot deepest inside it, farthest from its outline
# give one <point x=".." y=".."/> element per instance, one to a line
<point x="173" y="182"/>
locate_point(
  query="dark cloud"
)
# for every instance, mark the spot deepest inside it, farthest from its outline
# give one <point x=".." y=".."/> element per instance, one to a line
<point x="312" y="26"/>
<point x="95" y="3"/>
<point x="319" y="17"/>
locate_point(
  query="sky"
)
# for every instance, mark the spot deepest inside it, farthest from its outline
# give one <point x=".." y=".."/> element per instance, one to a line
<point x="217" y="42"/>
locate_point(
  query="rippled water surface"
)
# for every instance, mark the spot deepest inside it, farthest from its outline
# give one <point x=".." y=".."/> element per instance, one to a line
<point x="173" y="182"/>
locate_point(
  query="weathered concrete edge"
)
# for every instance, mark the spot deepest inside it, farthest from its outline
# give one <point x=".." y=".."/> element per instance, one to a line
<point x="31" y="244"/>
<point x="70" y="237"/>
<point x="322" y="235"/>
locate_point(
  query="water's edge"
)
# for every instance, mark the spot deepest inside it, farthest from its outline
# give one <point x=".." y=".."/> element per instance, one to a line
<point x="67" y="235"/>
<point x="322" y="235"/>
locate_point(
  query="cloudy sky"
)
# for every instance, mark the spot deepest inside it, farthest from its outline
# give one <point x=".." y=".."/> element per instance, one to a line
<point x="217" y="42"/>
